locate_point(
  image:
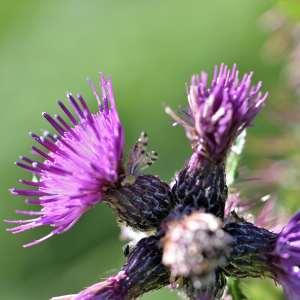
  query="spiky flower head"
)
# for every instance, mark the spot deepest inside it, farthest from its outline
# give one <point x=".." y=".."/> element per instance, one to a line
<point x="75" y="167"/>
<point x="287" y="258"/>
<point x="219" y="111"/>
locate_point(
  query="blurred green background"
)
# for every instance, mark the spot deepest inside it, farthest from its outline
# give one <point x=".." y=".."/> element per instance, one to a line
<point x="150" y="48"/>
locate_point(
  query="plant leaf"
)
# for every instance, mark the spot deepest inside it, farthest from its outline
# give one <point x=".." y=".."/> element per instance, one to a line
<point x="234" y="157"/>
<point x="234" y="289"/>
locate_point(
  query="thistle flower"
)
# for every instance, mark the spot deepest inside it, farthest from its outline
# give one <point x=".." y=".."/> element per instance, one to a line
<point x="195" y="248"/>
<point x="218" y="112"/>
<point x="78" y="165"/>
<point x="195" y="245"/>
<point x="287" y="258"/>
<point x="196" y="240"/>
<point x="83" y="166"/>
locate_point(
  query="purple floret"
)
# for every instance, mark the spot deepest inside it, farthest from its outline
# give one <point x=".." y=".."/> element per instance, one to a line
<point x="75" y="167"/>
<point x="220" y="110"/>
<point x="288" y="255"/>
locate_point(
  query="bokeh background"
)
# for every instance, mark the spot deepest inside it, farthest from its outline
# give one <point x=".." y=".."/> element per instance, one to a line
<point x="150" y="48"/>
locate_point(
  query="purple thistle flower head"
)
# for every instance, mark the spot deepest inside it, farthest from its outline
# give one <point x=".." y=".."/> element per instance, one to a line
<point x="75" y="167"/>
<point x="219" y="111"/>
<point x="288" y="258"/>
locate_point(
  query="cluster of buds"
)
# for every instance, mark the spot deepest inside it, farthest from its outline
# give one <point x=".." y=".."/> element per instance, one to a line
<point x="193" y="238"/>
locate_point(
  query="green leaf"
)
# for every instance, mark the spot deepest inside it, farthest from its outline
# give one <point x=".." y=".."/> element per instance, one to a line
<point x="234" y="157"/>
<point x="235" y="290"/>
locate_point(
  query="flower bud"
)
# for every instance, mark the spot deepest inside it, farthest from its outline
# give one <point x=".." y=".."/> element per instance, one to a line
<point x="202" y="187"/>
<point x="251" y="249"/>
<point x="141" y="204"/>
<point x="195" y="245"/>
